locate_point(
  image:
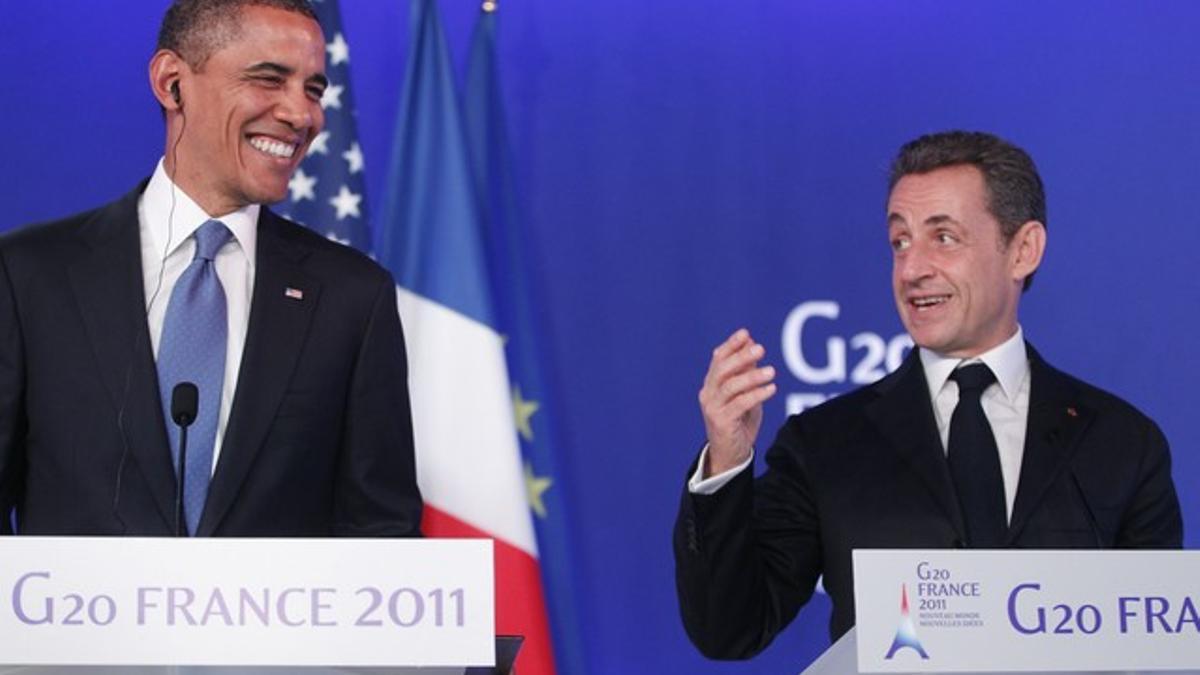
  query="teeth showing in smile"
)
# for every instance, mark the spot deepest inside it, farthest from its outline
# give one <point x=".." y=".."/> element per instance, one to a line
<point x="273" y="148"/>
<point x="930" y="301"/>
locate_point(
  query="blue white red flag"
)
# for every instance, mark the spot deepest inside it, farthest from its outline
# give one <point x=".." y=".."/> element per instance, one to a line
<point x="431" y="237"/>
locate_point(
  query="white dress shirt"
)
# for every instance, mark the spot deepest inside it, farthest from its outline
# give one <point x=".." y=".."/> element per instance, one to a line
<point x="1005" y="402"/>
<point x="167" y="218"/>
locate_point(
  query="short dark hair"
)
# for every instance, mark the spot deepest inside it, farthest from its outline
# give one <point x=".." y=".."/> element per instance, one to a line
<point x="195" y="29"/>
<point x="1015" y="194"/>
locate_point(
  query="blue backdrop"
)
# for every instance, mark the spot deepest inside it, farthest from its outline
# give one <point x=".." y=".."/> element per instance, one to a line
<point x="685" y="168"/>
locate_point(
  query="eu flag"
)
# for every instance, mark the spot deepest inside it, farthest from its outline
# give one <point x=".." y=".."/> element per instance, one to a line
<point x="515" y="302"/>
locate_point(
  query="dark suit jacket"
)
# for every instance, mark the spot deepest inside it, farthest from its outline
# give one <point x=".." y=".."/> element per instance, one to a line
<point x="319" y="438"/>
<point x="867" y="470"/>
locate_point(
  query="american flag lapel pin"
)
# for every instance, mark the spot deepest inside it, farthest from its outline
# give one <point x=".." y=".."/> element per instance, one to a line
<point x="293" y="293"/>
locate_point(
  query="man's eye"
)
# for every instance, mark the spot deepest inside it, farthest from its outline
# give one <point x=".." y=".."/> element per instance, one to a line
<point x="268" y="81"/>
<point x="946" y="238"/>
<point x="900" y="243"/>
<point x="316" y="93"/>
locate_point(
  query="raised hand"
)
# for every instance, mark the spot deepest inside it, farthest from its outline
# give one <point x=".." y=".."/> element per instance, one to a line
<point x="731" y="400"/>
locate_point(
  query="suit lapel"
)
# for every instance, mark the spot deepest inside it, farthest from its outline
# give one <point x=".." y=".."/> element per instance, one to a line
<point x="107" y="280"/>
<point x="904" y="415"/>
<point x="275" y="335"/>
<point x="1055" y="422"/>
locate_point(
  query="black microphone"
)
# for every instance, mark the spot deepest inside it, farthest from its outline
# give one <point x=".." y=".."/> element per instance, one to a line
<point x="185" y="399"/>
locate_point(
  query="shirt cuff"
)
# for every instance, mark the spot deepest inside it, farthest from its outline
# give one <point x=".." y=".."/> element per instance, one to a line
<point x="699" y="485"/>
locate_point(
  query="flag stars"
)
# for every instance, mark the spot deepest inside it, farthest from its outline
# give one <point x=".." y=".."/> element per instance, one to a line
<point x="354" y="158"/>
<point x="339" y="51"/>
<point x="332" y="98"/>
<point x="346" y="203"/>
<point x="302" y="186"/>
<point x="522" y="412"/>
<point x="535" y="487"/>
<point x="319" y="145"/>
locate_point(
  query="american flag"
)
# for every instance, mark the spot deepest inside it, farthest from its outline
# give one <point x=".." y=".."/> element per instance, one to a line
<point x="328" y="191"/>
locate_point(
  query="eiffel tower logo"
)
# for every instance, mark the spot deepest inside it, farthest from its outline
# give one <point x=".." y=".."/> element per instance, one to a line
<point x="906" y="633"/>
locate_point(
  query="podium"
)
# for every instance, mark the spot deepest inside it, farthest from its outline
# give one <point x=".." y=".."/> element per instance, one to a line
<point x="249" y="607"/>
<point x="927" y="611"/>
<point x="507" y="648"/>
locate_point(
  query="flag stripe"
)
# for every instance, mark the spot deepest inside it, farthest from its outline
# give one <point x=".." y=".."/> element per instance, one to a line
<point x="434" y="244"/>
<point x="468" y="462"/>
<point x="520" y="603"/>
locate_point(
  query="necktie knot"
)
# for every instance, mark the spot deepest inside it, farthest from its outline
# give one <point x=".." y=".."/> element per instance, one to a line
<point x="973" y="379"/>
<point x="211" y="236"/>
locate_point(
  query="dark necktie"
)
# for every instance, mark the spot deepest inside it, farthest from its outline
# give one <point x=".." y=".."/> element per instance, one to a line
<point x="192" y="349"/>
<point x="975" y="461"/>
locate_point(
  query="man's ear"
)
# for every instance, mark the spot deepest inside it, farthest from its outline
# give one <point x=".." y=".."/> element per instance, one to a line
<point x="1026" y="249"/>
<point x="167" y="69"/>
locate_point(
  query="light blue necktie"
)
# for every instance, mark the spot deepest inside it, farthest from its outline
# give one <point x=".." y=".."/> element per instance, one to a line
<point x="192" y="349"/>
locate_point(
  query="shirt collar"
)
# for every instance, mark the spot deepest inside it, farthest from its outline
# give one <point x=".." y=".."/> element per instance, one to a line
<point x="170" y="212"/>
<point x="1008" y="361"/>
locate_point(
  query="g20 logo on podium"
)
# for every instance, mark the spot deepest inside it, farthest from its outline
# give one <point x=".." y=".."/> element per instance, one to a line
<point x="906" y="632"/>
<point x="860" y="359"/>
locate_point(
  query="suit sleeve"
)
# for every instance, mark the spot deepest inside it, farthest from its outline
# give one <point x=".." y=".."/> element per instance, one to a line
<point x="747" y="557"/>
<point x="12" y="412"/>
<point x="376" y="494"/>
<point x="1152" y="518"/>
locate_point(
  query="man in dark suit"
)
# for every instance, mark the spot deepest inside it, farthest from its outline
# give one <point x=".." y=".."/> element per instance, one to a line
<point x="303" y="427"/>
<point x="975" y="441"/>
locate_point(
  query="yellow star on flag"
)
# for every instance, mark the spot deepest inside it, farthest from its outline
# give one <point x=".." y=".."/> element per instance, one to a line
<point x="522" y="411"/>
<point x="535" y="486"/>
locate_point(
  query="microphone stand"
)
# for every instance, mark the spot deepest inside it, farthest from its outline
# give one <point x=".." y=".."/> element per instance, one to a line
<point x="180" y="520"/>
<point x="184" y="404"/>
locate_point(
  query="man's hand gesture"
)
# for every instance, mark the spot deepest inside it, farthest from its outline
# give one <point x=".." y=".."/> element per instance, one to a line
<point x="731" y="401"/>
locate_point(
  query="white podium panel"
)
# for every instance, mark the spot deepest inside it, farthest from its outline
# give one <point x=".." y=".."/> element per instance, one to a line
<point x="246" y="602"/>
<point x="842" y="659"/>
<point x="507" y="648"/>
<point x="1027" y="611"/>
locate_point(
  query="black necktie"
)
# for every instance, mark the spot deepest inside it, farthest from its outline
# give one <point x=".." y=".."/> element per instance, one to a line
<point x="975" y="461"/>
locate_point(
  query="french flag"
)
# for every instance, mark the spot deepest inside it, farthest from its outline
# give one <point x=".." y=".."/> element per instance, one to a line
<point x="431" y="236"/>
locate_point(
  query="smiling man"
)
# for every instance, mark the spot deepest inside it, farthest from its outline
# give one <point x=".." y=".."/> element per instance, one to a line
<point x="975" y="441"/>
<point x="298" y="422"/>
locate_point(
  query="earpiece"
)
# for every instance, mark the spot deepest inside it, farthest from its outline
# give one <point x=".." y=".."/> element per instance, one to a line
<point x="175" y="94"/>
